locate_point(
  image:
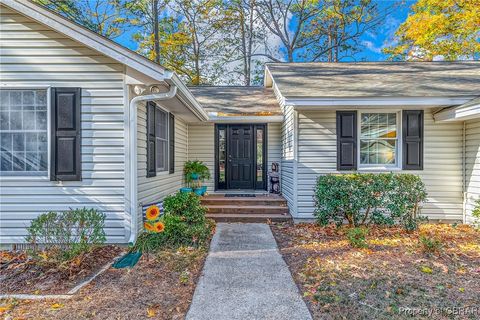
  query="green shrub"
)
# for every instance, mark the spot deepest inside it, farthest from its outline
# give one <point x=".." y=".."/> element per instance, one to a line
<point x="476" y="214"/>
<point x="430" y="244"/>
<point x="195" y="167"/>
<point x="363" y="199"/>
<point x="356" y="237"/>
<point x="185" y="224"/>
<point x="68" y="234"/>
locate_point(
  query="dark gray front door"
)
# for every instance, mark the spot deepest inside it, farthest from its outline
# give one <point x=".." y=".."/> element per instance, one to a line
<point x="240" y="157"/>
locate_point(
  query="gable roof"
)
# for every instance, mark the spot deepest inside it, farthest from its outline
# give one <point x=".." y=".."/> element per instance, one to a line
<point x="107" y="47"/>
<point x="375" y="79"/>
<point x="237" y="100"/>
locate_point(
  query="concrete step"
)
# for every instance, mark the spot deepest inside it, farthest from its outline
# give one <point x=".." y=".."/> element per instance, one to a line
<point x="249" y="218"/>
<point x="250" y="209"/>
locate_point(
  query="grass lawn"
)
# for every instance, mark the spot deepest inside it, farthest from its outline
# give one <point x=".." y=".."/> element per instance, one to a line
<point x="393" y="273"/>
<point x="160" y="286"/>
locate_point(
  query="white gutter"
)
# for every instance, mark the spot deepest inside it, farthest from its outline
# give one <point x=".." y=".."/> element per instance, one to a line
<point x="460" y="113"/>
<point x="245" y="119"/>
<point x="133" y="152"/>
<point x="189" y="100"/>
<point x="377" y="101"/>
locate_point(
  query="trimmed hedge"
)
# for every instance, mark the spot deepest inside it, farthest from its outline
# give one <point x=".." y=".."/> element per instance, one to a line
<point x="368" y="198"/>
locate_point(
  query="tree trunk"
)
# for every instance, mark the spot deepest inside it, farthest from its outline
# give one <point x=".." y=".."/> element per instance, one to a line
<point x="156" y="39"/>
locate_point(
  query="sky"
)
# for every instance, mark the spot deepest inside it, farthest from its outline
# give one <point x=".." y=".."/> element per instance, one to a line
<point x="383" y="37"/>
<point x="373" y="42"/>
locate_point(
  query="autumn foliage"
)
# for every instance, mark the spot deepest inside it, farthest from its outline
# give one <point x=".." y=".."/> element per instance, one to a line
<point x="446" y="28"/>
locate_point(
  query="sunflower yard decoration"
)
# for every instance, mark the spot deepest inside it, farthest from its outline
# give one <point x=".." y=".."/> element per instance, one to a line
<point x="152" y="218"/>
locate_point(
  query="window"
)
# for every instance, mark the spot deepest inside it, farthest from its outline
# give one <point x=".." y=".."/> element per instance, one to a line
<point x="379" y="139"/>
<point x="222" y="155"/>
<point x="161" y="139"/>
<point x="259" y="163"/>
<point x="23" y="132"/>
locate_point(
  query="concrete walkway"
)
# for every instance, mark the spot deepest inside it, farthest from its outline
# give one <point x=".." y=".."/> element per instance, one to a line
<point x="245" y="277"/>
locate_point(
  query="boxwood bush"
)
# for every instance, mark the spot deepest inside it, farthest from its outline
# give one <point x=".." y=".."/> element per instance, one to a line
<point x="67" y="234"/>
<point x="368" y="198"/>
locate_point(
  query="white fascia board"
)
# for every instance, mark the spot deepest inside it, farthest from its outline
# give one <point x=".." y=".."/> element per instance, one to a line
<point x="186" y="96"/>
<point x="87" y="37"/>
<point x="377" y="101"/>
<point x="267" y="78"/>
<point x="246" y="119"/>
<point x="458" y="113"/>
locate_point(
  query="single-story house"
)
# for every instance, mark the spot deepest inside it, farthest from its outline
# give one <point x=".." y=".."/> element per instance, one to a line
<point x="85" y="122"/>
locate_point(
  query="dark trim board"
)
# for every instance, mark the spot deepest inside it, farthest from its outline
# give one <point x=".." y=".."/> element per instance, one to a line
<point x="227" y="184"/>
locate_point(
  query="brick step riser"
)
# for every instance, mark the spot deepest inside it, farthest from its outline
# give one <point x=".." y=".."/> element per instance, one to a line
<point x="241" y="210"/>
<point x="249" y="219"/>
<point x="276" y="203"/>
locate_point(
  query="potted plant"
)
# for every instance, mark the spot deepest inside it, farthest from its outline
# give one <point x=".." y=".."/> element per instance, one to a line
<point x="195" y="173"/>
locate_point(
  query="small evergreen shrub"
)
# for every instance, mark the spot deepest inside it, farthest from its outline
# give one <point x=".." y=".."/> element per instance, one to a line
<point x="367" y="198"/>
<point x="356" y="237"/>
<point x="430" y="245"/>
<point x="68" y="234"/>
<point x="184" y="223"/>
<point x="476" y="214"/>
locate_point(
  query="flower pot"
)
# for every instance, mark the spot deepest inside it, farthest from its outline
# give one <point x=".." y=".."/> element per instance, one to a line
<point x="199" y="191"/>
<point x="186" y="190"/>
<point x="204" y="190"/>
<point x="194" y="176"/>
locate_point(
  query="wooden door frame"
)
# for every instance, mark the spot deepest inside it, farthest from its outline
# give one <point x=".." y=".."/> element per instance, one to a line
<point x="225" y="185"/>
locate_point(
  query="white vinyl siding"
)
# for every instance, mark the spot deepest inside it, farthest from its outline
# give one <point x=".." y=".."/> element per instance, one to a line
<point x="33" y="55"/>
<point x="154" y="189"/>
<point x="288" y="178"/>
<point x="274" y="144"/>
<point x="201" y="146"/>
<point x="287" y="163"/>
<point x="442" y="172"/>
<point x="472" y="165"/>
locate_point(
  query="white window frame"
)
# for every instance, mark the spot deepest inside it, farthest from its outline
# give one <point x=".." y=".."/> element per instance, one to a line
<point x="21" y="175"/>
<point x="167" y="166"/>
<point x="398" y="154"/>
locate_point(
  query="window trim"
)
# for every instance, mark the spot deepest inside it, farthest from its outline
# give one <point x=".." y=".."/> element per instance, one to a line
<point x="25" y="175"/>
<point x="398" y="157"/>
<point x="167" y="139"/>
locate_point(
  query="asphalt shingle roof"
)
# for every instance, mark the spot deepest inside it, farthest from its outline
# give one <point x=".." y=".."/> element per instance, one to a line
<point x="377" y="79"/>
<point x="237" y="100"/>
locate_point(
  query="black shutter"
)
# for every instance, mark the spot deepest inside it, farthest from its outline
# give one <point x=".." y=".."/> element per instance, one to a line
<point x="171" y="143"/>
<point x="346" y="140"/>
<point x="412" y="138"/>
<point x="151" y="163"/>
<point x="65" y="159"/>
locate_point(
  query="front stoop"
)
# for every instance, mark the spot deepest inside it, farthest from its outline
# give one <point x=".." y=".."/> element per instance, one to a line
<point x="261" y="208"/>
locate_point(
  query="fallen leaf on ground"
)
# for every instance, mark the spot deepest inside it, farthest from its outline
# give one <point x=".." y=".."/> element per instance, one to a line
<point x="426" y="269"/>
<point x="4" y="309"/>
<point x="151" y="312"/>
<point x="57" y="306"/>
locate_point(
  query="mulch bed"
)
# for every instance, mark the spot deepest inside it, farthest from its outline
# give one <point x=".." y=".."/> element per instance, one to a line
<point x="21" y="274"/>
<point x="394" y="278"/>
<point x="160" y="286"/>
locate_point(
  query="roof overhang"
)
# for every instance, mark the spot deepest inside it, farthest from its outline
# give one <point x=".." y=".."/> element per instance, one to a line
<point x="467" y="111"/>
<point x="375" y="101"/>
<point x="246" y="119"/>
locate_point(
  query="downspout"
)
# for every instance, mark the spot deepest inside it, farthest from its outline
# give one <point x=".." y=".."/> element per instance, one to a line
<point x="133" y="152"/>
<point x="464" y="172"/>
